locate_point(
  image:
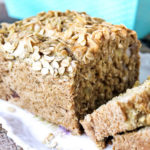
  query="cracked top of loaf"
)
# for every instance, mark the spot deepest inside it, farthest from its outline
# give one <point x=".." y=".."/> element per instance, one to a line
<point x="57" y="41"/>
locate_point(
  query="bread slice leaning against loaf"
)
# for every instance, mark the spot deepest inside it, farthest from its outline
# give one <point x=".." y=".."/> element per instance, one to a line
<point x="123" y="113"/>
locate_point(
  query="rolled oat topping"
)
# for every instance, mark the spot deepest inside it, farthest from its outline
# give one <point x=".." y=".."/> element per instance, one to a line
<point x="51" y="41"/>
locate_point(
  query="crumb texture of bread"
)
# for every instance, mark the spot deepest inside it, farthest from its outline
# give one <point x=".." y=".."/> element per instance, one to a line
<point x="72" y="62"/>
<point x="124" y="113"/>
<point x="137" y="140"/>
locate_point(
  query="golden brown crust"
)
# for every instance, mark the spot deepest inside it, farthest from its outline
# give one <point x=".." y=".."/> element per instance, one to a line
<point x="137" y="140"/>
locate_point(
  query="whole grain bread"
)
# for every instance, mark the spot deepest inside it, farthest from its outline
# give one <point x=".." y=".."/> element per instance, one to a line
<point x="63" y="65"/>
<point x="126" y="112"/>
<point x="136" y="140"/>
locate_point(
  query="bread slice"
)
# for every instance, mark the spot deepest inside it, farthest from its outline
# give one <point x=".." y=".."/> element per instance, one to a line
<point x="63" y="65"/>
<point x="123" y="113"/>
<point x="136" y="140"/>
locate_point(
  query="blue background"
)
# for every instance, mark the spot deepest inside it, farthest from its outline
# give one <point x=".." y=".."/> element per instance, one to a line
<point x="135" y="14"/>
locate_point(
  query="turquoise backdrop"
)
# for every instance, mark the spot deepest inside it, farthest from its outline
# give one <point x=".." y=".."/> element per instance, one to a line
<point x="135" y="14"/>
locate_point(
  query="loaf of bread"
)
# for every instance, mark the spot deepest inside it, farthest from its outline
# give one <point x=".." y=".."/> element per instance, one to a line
<point x="62" y="66"/>
<point x="136" y="140"/>
<point x="126" y="112"/>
